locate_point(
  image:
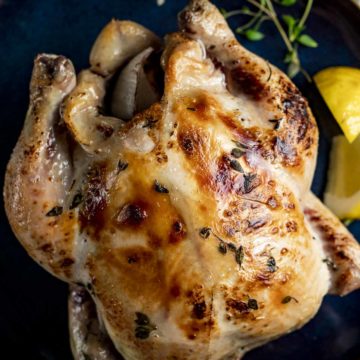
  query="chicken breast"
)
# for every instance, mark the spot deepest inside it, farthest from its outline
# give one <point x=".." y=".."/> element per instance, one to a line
<point x="192" y="226"/>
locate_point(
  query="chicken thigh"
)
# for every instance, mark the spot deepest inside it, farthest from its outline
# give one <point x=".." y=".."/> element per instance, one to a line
<point x="192" y="225"/>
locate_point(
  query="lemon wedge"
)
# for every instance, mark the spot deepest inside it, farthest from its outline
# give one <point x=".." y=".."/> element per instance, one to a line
<point x="342" y="194"/>
<point x="340" y="88"/>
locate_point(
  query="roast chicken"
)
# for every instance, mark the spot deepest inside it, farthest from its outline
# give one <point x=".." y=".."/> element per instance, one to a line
<point x="169" y="184"/>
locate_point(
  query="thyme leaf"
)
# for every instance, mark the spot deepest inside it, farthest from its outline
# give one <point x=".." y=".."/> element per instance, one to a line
<point x="237" y="153"/>
<point x="235" y="165"/>
<point x="144" y="326"/>
<point x="271" y="264"/>
<point x="222" y="247"/>
<point x="330" y="264"/>
<point x="252" y="304"/>
<point x="239" y="255"/>
<point x="122" y="165"/>
<point x="287" y="299"/>
<point x="55" y="211"/>
<point x="290" y="28"/>
<point x="77" y="200"/>
<point x="205" y="232"/>
<point x="160" y="188"/>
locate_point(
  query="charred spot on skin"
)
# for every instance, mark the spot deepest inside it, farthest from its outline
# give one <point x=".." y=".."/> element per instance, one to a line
<point x="296" y="108"/>
<point x="223" y="176"/>
<point x="132" y="259"/>
<point x="217" y="63"/>
<point x="342" y="255"/>
<point x="105" y="130"/>
<point x="160" y="188"/>
<point x="186" y="143"/>
<point x="240" y="80"/>
<point x="237" y="305"/>
<point x="132" y="214"/>
<point x="95" y="197"/>
<point x="52" y="66"/>
<point x="177" y="233"/>
<point x="272" y="202"/>
<point x="55" y="211"/>
<point x="175" y="291"/>
<point x="199" y="310"/>
<point x="291" y="226"/>
<point x="47" y="247"/>
<point x="67" y="262"/>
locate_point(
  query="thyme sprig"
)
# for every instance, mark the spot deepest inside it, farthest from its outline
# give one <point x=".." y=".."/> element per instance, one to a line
<point x="290" y="29"/>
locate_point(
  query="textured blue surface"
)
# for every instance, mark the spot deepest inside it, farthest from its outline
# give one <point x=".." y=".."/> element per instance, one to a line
<point x="33" y="319"/>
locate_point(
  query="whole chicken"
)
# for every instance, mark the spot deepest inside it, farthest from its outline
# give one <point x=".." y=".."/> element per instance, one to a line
<point x="187" y="228"/>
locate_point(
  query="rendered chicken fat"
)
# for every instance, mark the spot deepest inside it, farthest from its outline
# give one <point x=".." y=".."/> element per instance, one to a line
<point x="189" y="230"/>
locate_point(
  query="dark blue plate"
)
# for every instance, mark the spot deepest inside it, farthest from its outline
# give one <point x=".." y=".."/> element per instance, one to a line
<point x="33" y="304"/>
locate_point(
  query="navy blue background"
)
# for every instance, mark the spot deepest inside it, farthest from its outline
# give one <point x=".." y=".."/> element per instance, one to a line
<point x="33" y="314"/>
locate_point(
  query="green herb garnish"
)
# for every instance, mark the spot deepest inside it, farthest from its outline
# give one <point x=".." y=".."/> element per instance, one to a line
<point x="55" y="211"/>
<point x="271" y="264"/>
<point x="144" y="326"/>
<point x="248" y="179"/>
<point x="77" y="200"/>
<point x="234" y="164"/>
<point x="330" y="264"/>
<point x="122" y="165"/>
<point x="205" y="232"/>
<point x="252" y="304"/>
<point x="287" y="299"/>
<point x="160" y="188"/>
<point x="222" y="247"/>
<point x="290" y="28"/>
<point x="276" y="123"/>
<point x="239" y="255"/>
<point x="237" y="153"/>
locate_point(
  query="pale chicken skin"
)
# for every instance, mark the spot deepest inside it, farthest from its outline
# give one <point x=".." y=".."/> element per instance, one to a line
<point x="192" y="226"/>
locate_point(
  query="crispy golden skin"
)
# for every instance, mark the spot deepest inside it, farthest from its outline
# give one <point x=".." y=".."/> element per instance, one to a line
<point x="192" y="225"/>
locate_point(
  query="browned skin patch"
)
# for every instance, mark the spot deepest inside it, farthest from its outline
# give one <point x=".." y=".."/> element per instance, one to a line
<point x="198" y="305"/>
<point x="282" y="145"/>
<point x="153" y="271"/>
<point x="95" y="198"/>
<point x="244" y="80"/>
<point x="338" y="247"/>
